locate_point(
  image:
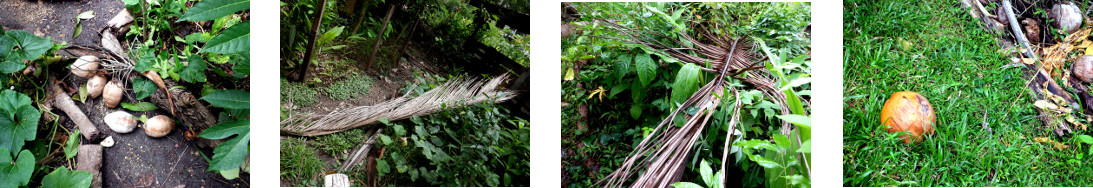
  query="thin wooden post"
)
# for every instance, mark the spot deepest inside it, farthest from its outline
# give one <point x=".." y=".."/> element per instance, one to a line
<point x="379" y="39"/>
<point x="313" y="42"/>
<point x="360" y="17"/>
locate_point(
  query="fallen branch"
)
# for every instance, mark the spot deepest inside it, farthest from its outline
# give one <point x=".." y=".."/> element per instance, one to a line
<point x="360" y="152"/>
<point x="62" y="101"/>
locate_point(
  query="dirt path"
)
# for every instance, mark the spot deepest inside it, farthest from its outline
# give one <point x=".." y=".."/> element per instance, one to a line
<point x="389" y="79"/>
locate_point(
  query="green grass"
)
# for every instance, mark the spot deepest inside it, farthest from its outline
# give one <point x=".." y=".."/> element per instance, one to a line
<point x="298" y="163"/>
<point x="349" y="88"/>
<point x="936" y="49"/>
<point x="298" y="93"/>
<point x="339" y="144"/>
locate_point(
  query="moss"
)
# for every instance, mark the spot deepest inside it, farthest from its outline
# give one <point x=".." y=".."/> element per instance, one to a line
<point x="348" y="88"/>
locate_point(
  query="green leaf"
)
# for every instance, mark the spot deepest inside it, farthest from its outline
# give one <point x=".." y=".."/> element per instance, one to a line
<point x="242" y="66"/>
<point x="706" y="172"/>
<point x="688" y="80"/>
<point x="382" y="167"/>
<point x="622" y="66"/>
<point x="568" y="75"/>
<point x="62" y="177"/>
<point x="209" y="10"/>
<point x="15" y="173"/>
<point x="30" y="47"/>
<point x="806" y="147"/>
<point x="83" y="93"/>
<point x="18" y="120"/>
<point x="646" y="69"/>
<point x="330" y="35"/>
<point x="226" y="129"/>
<point x="195" y="72"/>
<point x="686" y="185"/>
<point x="232" y="40"/>
<point x="796" y="179"/>
<point x="796" y="119"/>
<point x="399" y="130"/>
<point x="756" y="144"/>
<point x="230" y="174"/>
<point x="143" y="88"/>
<point x="139" y="107"/>
<point x="11" y="66"/>
<point x="1085" y="138"/>
<point x="386" y="140"/>
<point x="72" y="145"/>
<point x="385" y="121"/>
<point x="230" y="99"/>
<point x="635" y="111"/>
<point x="232" y="153"/>
<point x="766" y="163"/>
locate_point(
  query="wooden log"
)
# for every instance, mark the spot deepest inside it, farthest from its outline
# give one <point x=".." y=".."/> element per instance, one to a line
<point x="336" y="180"/>
<point x="89" y="159"/>
<point x="192" y="112"/>
<point x="313" y="42"/>
<point x="62" y="101"/>
<point x="379" y="40"/>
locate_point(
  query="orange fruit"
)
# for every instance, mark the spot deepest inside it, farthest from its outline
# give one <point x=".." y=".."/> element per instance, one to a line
<point x="908" y="111"/>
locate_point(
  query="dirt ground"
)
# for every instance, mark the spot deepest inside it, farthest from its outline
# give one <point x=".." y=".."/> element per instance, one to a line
<point x="136" y="160"/>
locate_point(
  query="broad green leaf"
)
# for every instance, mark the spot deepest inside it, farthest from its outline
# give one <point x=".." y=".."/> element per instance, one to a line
<point x="195" y="71"/>
<point x="72" y="145"/>
<point x="646" y="69"/>
<point x="231" y="153"/>
<point x="83" y="93"/>
<point x="686" y="185"/>
<point x="796" y="180"/>
<point x="766" y="163"/>
<point x="385" y="121"/>
<point x="226" y="129"/>
<point x="806" y="147"/>
<point x="386" y="140"/>
<point x="242" y="66"/>
<point x="15" y="172"/>
<point x="622" y="66"/>
<point x="139" y="107"/>
<point x="756" y="144"/>
<point x="62" y="177"/>
<point x="706" y="172"/>
<point x="1085" y="138"/>
<point x="568" y="74"/>
<point x="143" y="88"/>
<point x="638" y="97"/>
<point x="230" y="99"/>
<point x="330" y="35"/>
<point x="30" y="47"/>
<point x="688" y="80"/>
<point x="230" y="174"/>
<point x="232" y="40"/>
<point x="11" y="66"/>
<point x="18" y="120"/>
<point x="382" y="167"/>
<point x="796" y="119"/>
<point x="399" y="130"/>
<point x="635" y="111"/>
<point x="213" y="9"/>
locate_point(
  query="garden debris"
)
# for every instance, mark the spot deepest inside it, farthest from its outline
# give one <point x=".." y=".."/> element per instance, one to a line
<point x="361" y="152"/>
<point x="195" y="115"/>
<point x="1055" y="145"/>
<point x="64" y="102"/>
<point x="1055" y="57"/>
<point x="89" y="159"/>
<point x="455" y="93"/>
<point x="336" y="180"/>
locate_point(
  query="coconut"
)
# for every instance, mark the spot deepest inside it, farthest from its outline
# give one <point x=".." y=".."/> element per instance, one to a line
<point x="95" y="85"/>
<point x="120" y="121"/>
<point x="85" y="66"/>
<point x="111" y="94"/>
<point x="158" y="126"/>
<point x="908" y="111"/>
<point x="1082" y="68"/>
<point x="1067" y="16"/>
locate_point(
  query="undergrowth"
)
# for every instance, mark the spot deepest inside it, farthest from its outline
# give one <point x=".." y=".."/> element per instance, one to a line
<point x="353" y="84"/>
<point x="299" y="162"/>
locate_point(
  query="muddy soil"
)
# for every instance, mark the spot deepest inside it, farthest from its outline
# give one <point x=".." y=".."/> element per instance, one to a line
<point x="136" y="160"/>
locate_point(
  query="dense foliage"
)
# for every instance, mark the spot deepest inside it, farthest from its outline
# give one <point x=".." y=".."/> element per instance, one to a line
<point x="615" y="92"/>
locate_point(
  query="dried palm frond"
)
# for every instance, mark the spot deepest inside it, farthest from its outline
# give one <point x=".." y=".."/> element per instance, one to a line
<point x="1055" y="56"/>
<point x="455" y="93"/>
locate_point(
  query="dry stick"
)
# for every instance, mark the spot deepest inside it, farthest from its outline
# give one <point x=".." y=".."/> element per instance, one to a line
<point x="379" y="40"/>
<point x="63" y="102"/>
<point x="312" y="43"/>
<point x="363" y="150"/>
<point x="1017" y="30"/>
<point x="732" y="128"/>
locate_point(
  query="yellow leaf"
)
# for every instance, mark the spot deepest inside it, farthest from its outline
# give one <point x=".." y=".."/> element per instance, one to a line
<point x="569" y="74"/>
<point x="598" y="90"/>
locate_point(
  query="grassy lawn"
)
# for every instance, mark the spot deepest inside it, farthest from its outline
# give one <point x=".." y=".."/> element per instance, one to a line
<point x="936" y="49"/>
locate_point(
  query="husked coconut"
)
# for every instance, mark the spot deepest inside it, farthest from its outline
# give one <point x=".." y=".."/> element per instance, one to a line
<point x="111" y="94"/>
<point x="1067" y="16"/>
<point x="95" y="85"/>
<point x="1083" y="68"/>
<point x="120" y="121"/>
<point x="85" y="66"/>
<point x="158" y="126"/>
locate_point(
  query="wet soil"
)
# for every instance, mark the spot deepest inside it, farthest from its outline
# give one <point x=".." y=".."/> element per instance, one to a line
<point x="57" y="19"/>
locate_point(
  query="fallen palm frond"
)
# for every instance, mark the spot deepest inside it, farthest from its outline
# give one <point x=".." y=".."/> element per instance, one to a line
<point x="455" y="93"/>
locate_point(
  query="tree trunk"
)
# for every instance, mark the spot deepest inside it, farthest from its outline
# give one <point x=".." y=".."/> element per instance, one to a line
<point x="379" y="40"/>
<point x="410" y="36"/>
<point x="312" y="43"/>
